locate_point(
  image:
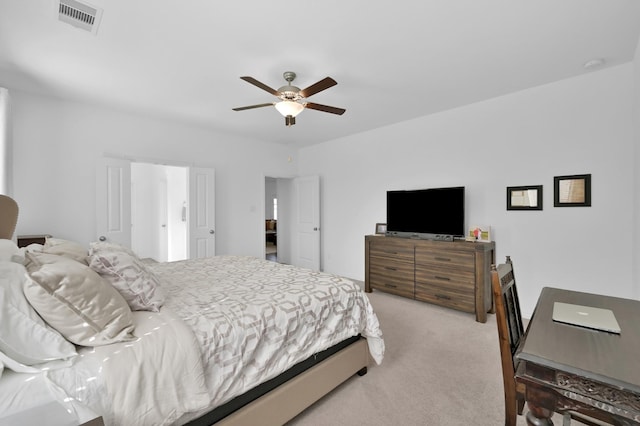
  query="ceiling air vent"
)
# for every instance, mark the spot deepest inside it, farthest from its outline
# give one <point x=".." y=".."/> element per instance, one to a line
<point x="80" y="15"/>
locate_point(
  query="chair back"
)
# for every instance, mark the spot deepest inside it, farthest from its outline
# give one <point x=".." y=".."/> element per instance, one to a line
<point x="8" y="216"/>
<point x="510" y="332"/>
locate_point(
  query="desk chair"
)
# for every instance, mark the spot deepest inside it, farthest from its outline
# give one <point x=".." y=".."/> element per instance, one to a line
<point x="8" y="217"/>
<point x="510" y="332"/>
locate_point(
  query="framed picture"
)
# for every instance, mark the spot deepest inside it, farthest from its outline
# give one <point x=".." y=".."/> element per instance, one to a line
<point x="572" y="191"/>
<point x="480" y="233"/>
<point x="381" y="228"/>
<point x="524" y="197"/>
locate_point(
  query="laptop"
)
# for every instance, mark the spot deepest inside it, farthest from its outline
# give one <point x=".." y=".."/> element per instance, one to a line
<point x="586" y="316"/>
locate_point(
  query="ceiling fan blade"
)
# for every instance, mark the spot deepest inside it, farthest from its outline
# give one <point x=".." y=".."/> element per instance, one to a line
<point x="325" y="108"/>
<point x="252" y="106"/>
<point x="318" y="87"/>
<point x="260" y="85"/>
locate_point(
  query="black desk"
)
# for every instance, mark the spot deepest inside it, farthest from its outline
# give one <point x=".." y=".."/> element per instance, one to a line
<point x="566" y="367"/>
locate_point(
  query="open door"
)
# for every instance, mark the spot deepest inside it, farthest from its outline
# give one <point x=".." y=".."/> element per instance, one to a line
<point x="306" y="241"/>
<point x="202" y="242"/>
<point x="113" y="201"/>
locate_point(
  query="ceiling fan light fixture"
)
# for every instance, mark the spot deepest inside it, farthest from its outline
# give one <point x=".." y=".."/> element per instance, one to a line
<point x="289" y="108"/>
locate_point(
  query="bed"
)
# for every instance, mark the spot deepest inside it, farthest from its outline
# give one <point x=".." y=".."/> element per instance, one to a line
<point x="225" y="340"/>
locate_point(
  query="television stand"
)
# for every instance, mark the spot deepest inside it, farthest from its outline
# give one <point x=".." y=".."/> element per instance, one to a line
<point x="453" y="274"/>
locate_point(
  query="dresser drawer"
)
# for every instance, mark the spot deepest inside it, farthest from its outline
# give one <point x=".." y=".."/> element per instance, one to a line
<point x="444" y="295"/>
<point x="390" y="250"/>
<point x="445" y="258"/>
<point x="392" y="276"/>
<point x="448" y="277"/>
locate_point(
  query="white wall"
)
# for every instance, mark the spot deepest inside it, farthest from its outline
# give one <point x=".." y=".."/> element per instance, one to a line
<point x="576" y="126"/>
<point x="57" y="143"/>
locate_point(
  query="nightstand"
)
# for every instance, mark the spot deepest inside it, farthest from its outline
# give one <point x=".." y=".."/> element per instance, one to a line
<point x="25" y="240"/>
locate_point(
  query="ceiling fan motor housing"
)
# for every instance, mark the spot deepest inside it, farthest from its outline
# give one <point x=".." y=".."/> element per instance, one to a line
<point x="289" y="92"/>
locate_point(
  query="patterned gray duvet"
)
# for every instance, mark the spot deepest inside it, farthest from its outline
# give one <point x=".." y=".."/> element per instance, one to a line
<point x="254" y="319"/>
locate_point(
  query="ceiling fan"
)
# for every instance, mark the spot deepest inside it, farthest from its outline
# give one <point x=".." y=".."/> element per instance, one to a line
<point x="292" y="99"/>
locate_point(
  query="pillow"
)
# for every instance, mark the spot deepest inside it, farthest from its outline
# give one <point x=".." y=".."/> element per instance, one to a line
<point x="9" y="252"/>
<point x="76" y="301"/>
<point x="24" y="336"/>
<point x="98" y="246"/>
<point x="66" y="248"/>
<point x="138" y="285"/>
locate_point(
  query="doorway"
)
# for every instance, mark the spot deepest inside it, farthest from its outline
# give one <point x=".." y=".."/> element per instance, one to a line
<point x="271" y="218"/>
<point x="114" y="209"/>
<point x="298" y="219"/>
<point x="159" y="211"/>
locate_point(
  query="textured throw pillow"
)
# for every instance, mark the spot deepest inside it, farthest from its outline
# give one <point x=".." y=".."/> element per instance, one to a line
<point x="98" y="246"/>
<point x="24" y="336"/>
<point x="138" y="285"/>
<point x="66" y="248"/>
<point x="76" y="301"/>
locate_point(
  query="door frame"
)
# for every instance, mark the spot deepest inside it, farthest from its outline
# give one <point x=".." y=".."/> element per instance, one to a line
<point x="287" y="224"/>
<point x="262" y="217"/>
<point x="105" y="156"/>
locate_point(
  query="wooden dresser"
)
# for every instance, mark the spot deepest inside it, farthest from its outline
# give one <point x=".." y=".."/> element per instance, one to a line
<point x="452" y="274"/>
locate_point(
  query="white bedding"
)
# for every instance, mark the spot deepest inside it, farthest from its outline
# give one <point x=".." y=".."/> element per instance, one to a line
<point x="228" y="324"/>
<point x="152" y="380"/>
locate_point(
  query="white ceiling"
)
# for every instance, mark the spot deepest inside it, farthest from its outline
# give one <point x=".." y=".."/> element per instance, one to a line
<point x="393" y="61"/>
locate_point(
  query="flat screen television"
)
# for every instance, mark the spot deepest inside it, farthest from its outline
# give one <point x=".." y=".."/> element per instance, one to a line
<point x="436" y="213"/>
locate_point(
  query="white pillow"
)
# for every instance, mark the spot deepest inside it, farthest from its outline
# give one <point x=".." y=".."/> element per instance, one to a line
<point x="138" y="285"/>
<point x="76" y="301"/>
<point x="24" y="336"/>
<point x="66" y="248"/>
<point x="9" y="252"/>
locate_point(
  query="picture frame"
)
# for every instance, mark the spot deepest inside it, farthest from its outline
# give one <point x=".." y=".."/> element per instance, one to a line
<point x="479" y="233"/>
<point x="524" y="197"/>
<point x="381" y="228"/>
<point x="572" y="191"/>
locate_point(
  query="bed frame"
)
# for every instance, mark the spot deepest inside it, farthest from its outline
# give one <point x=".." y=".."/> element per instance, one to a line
<point x="287" y="400"/>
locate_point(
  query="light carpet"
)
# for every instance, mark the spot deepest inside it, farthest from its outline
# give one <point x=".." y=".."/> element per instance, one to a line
<point x="441" y="367"/>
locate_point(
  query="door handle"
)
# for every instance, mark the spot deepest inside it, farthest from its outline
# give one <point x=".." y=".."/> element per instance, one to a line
<point x="211" y="231"/>
<point x="315" y="229"/>
<point x="102" y="238"/>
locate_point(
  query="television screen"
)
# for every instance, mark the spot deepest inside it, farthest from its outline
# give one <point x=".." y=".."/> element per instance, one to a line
<point x="426" y="212"/>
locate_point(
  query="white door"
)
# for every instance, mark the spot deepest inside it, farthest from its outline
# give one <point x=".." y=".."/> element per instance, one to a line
<point x="202" y="242"/>
<point x="306" y="250"/>
<point x="113" y="201"/>
<point x="163" y="231"/>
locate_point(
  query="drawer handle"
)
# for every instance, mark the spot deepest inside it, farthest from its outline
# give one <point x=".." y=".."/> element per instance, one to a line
<point x="443" y="259"/>
<point x="391" y="285"/>
<point x="390" y="252"/>
<point x="443" y="296"/>
<point x="442" y="278"/>
<point x="390" y="268"/>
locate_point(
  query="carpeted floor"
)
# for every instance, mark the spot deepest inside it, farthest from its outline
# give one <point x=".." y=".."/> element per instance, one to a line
<point x="441" y="367"/>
